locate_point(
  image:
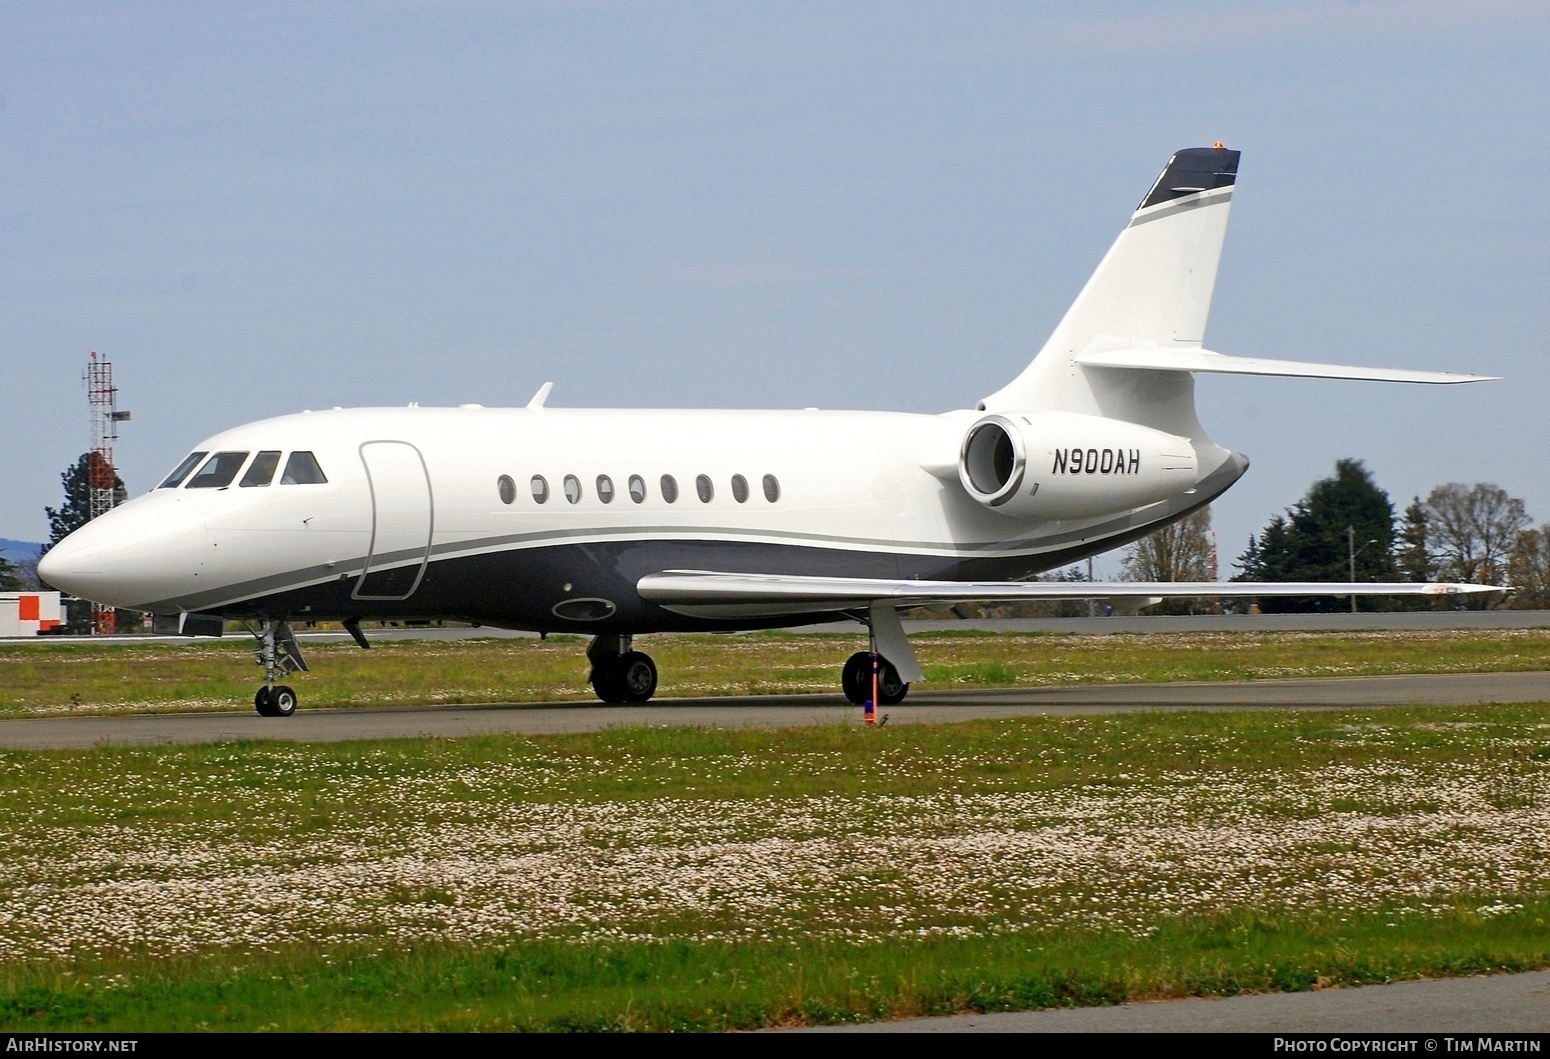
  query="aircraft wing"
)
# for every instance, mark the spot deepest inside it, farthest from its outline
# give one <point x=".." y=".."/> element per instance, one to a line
<point x="1204" y="360"/>
<point x="708" y="594"/>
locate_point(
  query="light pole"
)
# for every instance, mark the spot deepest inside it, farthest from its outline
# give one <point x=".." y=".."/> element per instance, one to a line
<point x="1350" y="536"/>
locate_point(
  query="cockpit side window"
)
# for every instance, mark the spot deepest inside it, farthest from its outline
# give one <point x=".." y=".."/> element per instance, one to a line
<point x="218" y="471"/>
<point x="302" y="469"/>
<point x="175" y="479"/>
<point x="262" y="470"/>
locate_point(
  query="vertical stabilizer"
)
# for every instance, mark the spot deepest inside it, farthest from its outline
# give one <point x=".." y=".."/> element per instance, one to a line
<point x="1152" y="290"/>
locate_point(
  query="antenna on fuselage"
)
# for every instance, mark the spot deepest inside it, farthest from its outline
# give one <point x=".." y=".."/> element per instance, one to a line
<point x="541" y="396"/>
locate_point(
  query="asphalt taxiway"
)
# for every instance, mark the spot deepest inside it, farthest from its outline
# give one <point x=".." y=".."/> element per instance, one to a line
<point x="923" y="706"/>
<point x="1495" y="1006"/>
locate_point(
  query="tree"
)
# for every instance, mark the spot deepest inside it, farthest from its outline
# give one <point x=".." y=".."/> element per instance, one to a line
<point x="1528" y="570"/>
<point x="1413" y="556"/>
<point x="1412" y="551"/>
<point x="75" y="513"/>
<point x="1180" y="551"/>
<point x="1315" y="540"/>
<point x="1471" y="531"/>
<point x="76" y="510"/>
<point x="10" y="576"/>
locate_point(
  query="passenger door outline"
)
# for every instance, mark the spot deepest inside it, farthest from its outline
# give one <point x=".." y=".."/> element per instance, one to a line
<point x="403" y="519"/>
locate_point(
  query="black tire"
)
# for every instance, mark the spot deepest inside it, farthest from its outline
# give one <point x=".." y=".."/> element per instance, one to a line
<point x="606" y="684"/>
<point x="282" y="702"/>
<point x="635" y="677"/>
<point x="890" y="689"/>
<point x="261" y="703"/>
<point x="856" y="678"/>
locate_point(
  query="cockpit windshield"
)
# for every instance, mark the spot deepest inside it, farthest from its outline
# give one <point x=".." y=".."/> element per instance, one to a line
<point x="262" y="470"/>
<point x="175" y="479"/>
<point x="218" y="471"/>
<point x="302" y="469"/>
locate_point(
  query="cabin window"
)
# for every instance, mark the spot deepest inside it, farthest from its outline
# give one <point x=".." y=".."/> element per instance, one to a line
<point x="218" y="471"/>
<point x="704" y="488"/>
<point x="175" y="479"/>
<point x="739" y="489"/>
<point x="302" y="469"/>
<point x="540" y="487"/>
<point x="262" y="470"/>
<point x="669" y="488"/>
<point x="573" y="489"/>
<point x="605" y="489"/>
<point x="771" y="488"/>
<point x="507" y="488"/>
<point x="637" y="489"/>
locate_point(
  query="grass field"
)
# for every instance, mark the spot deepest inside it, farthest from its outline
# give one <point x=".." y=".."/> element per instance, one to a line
<point x="44" y="679"/>
<point x="703" y="879"/>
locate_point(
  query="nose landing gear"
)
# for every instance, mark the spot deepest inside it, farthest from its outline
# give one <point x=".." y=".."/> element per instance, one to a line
<point x="279" y="654"/>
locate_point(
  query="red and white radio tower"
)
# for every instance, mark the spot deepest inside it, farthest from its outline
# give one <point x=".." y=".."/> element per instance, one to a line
<point x="102" y="397"/>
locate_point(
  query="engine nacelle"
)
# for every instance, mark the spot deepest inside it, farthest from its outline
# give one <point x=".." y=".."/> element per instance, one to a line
<point x="1060" y="465"/>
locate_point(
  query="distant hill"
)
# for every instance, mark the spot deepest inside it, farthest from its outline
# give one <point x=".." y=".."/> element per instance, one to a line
<point x="20" y="551"/>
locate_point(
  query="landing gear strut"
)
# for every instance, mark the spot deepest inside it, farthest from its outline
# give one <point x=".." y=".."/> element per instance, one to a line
<point x="620" y="675"/>
<point x="279" y="654"/>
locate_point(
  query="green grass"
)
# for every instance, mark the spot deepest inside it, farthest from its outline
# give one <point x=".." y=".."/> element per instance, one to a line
<point x="52" y="679"/>
<point x="688" y="986"/>
<point x="713" y="879"/>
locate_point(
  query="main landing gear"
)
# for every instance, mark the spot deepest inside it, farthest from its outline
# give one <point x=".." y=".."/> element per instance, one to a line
<point x="620" y="675"/>
<point x="280" y="655"/>
<point x="856" y="680"/>
<point x="880" y="676"/>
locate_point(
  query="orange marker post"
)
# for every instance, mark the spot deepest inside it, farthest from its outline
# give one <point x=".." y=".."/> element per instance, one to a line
<point x="871" y="704"/>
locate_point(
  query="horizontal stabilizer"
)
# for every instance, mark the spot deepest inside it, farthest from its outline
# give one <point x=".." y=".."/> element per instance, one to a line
<point x="708" y="594"/>
<point x="1203" y="360"/>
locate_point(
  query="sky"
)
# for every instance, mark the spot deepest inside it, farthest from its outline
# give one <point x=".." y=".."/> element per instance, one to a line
<point x="254" y="209"/>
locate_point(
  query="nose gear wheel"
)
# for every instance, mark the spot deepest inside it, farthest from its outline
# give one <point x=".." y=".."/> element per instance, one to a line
<point x="280" y="655"/>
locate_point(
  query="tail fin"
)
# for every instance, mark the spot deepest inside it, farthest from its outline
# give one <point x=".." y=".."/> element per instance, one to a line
<point x="1152" y="290"/>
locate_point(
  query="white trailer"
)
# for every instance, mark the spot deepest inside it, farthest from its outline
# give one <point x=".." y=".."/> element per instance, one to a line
<point x="30" y="613"/>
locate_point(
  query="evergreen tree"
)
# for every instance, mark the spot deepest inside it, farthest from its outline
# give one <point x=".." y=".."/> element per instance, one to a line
<point x="1315" y="539"/>
<point x="76" y="510"/>
<point x="1413" y="556"/>
<point x="10" y="577"/>
<point x="75" y="513"/>
<point x="1250" y="562"/>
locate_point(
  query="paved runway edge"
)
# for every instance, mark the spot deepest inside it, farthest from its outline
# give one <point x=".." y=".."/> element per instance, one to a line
<point x="774" y="711"/>
<point x="1496" y="1004"/>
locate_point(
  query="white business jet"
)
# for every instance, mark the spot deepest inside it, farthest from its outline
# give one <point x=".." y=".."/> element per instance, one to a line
<point x="615" y="523"/>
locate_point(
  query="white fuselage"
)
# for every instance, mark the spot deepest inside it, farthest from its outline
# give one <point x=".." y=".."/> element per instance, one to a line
<point x="415" y="521"/>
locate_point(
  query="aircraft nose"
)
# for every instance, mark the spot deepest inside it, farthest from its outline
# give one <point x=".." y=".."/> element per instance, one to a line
<point x="84" y="564"/>
<point x="62" y="567"/>
<point x="124" y="558"/>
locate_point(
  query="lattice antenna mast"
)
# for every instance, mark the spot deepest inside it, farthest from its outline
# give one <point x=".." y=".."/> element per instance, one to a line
<point x="102" y="398"/>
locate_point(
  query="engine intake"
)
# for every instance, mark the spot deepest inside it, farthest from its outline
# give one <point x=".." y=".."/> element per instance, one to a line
<point x="1059" y="465"/>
